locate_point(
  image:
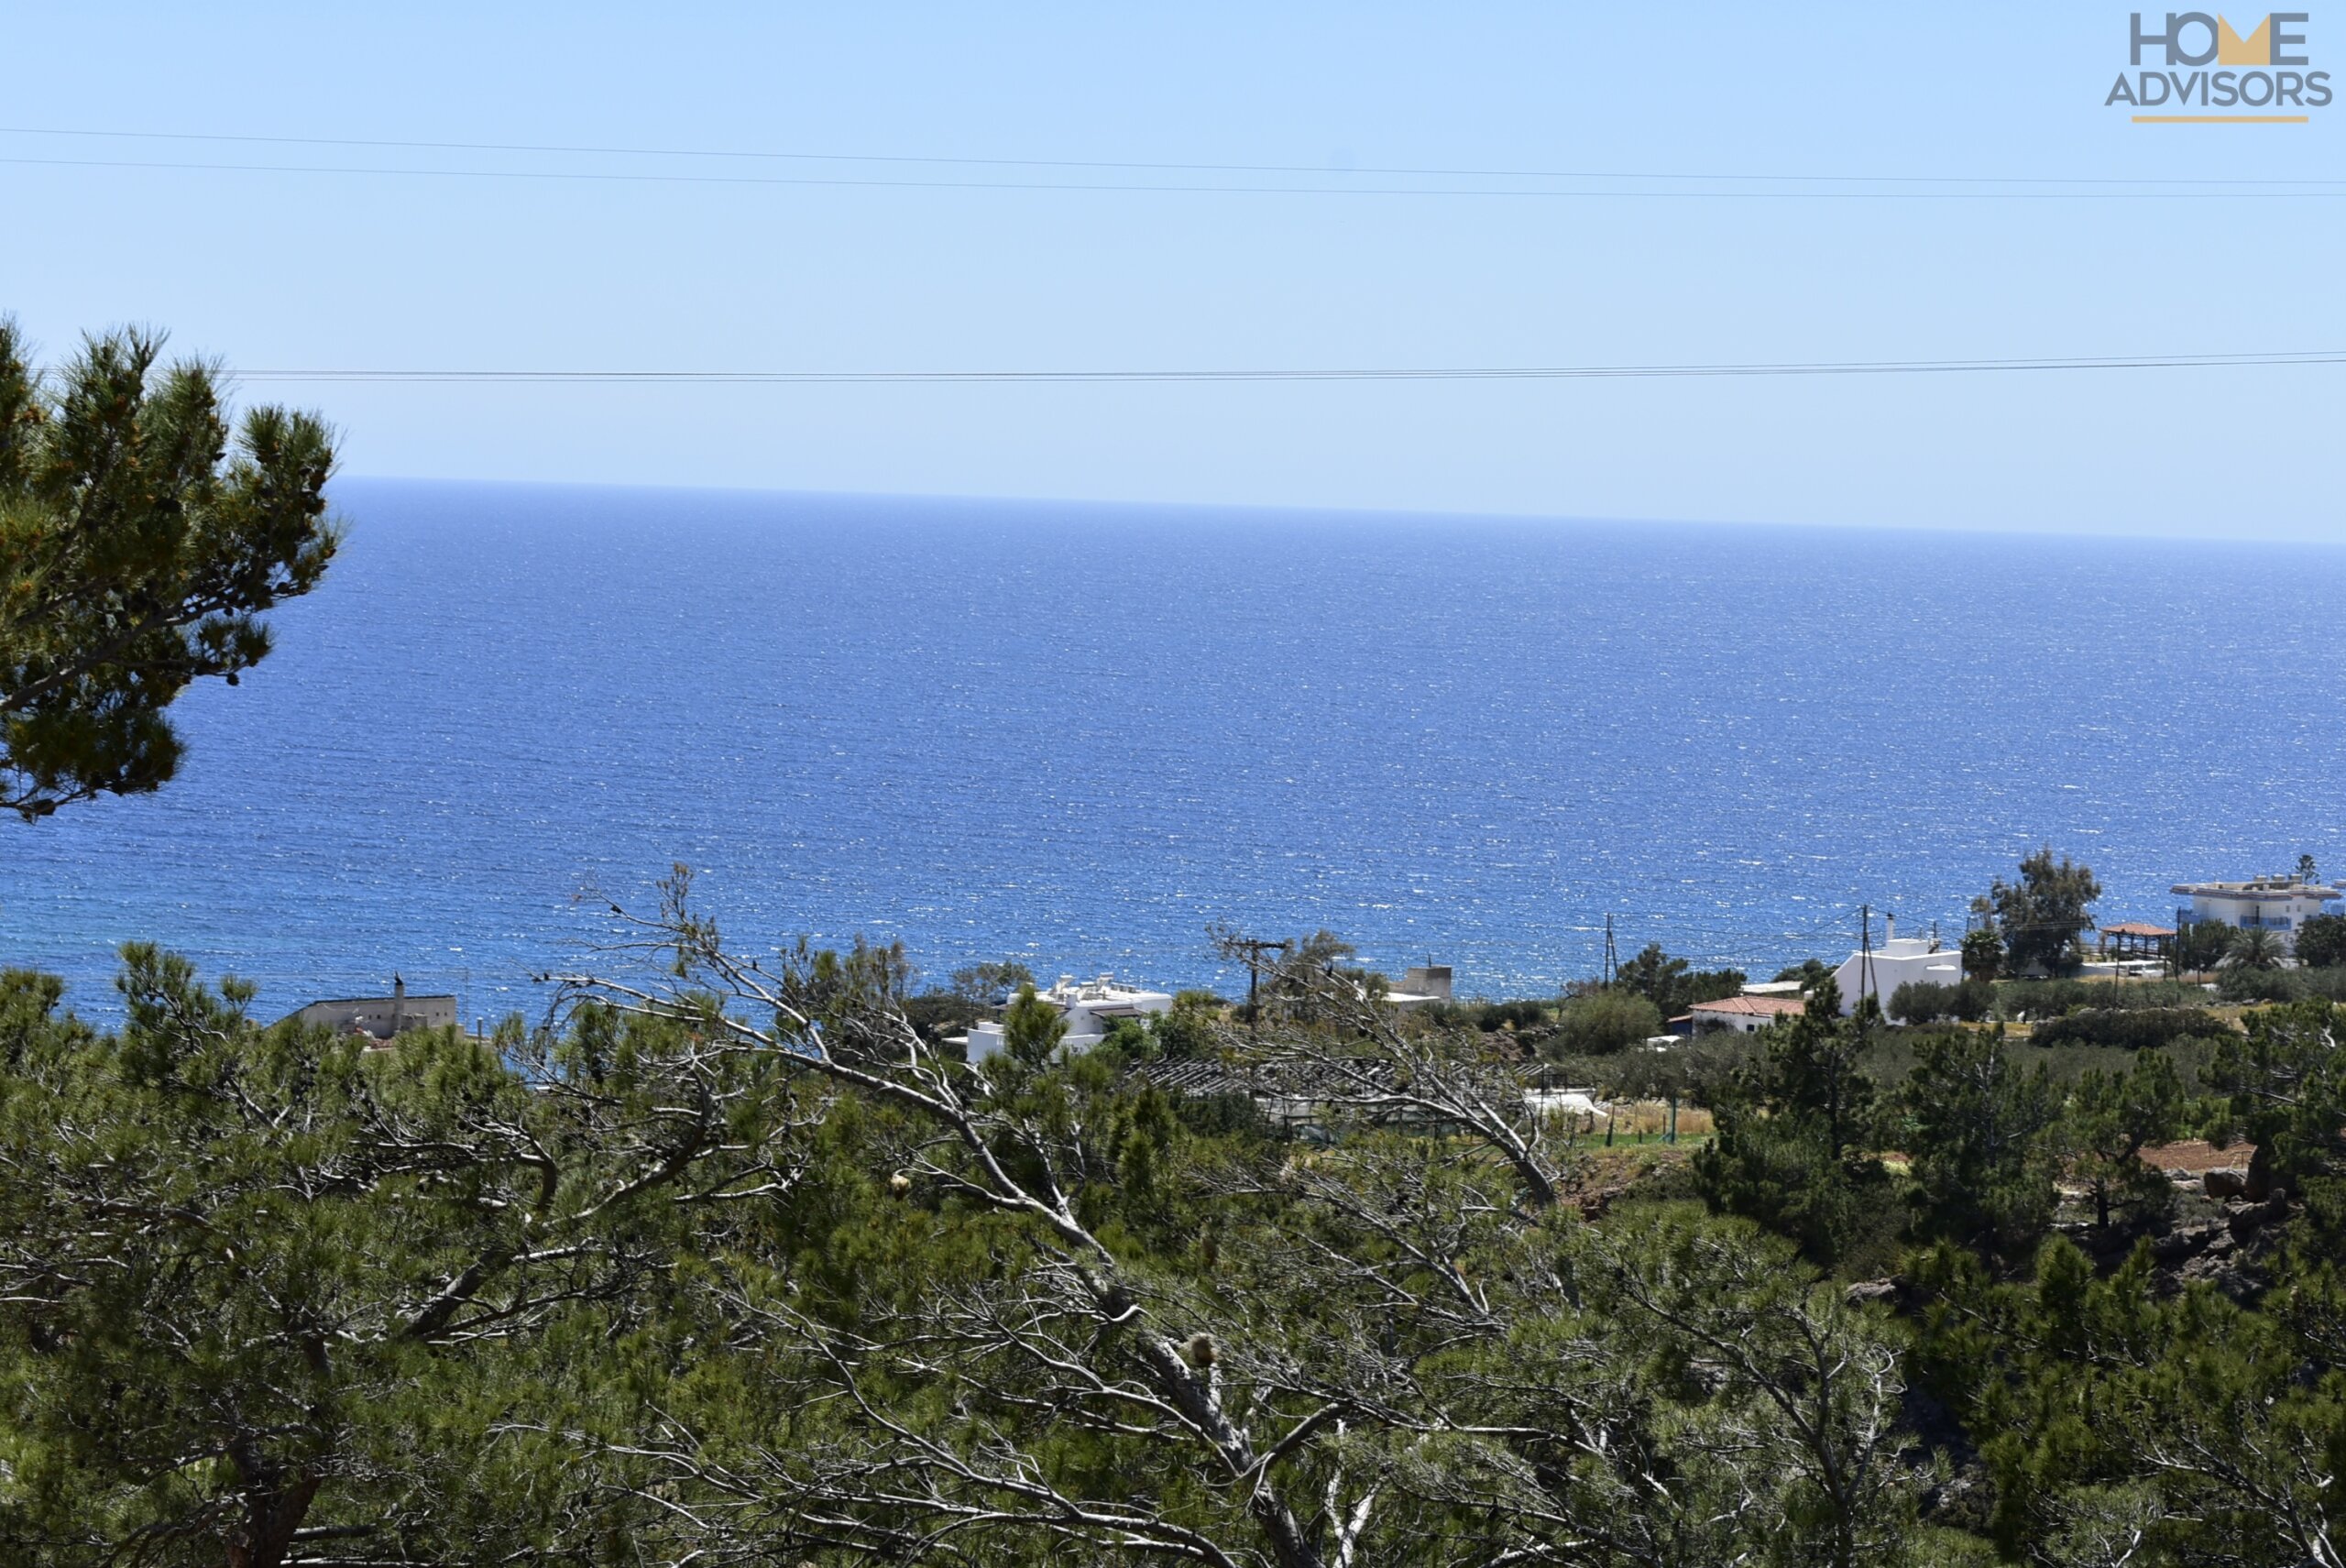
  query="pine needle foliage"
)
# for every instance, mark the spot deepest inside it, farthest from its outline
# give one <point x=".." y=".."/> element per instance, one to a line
<point x="142" y="536"/>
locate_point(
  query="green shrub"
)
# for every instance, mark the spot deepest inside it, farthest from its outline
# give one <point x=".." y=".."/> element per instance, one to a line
<point x="2046" y="998"/>
<point x="1493" y="1016"/>
<point x="2052" y="998"/>
<point x="1185" y="1033"/>
<point x="1447" y="1014"/>
<point x="1926" y="1001"/>
<point x="1603" y="1021"/>
<point x="2140" y="1028"/>
<point x="2245" y="984"/>
<point x="1921" y="1001"/>
<point x="2321" y="941"/>
<point x="1974" y="1000"/>
<point x="2328" y="983"/>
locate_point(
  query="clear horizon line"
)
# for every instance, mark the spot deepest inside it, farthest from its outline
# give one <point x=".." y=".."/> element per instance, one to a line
<point x="2211" y="534"/>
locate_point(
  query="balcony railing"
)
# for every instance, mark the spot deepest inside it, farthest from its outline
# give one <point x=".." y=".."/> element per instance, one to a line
<point x="2246" y="923"/>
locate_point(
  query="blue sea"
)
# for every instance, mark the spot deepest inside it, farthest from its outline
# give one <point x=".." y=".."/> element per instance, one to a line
<point x="1078" y="735"/>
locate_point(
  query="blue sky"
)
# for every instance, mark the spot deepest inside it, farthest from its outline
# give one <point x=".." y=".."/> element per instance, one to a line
<point x="274" y="270"/>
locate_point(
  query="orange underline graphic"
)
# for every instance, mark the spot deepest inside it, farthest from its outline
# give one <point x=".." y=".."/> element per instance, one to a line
<point x="2221" y="119"/>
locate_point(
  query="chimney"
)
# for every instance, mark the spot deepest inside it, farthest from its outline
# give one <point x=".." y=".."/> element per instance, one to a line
<point x="399" y="1005"/>
<point x="1889" y="929"/>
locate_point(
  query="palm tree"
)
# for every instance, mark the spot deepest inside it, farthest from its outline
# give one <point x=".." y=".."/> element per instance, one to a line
<point x="2255" y="948"/>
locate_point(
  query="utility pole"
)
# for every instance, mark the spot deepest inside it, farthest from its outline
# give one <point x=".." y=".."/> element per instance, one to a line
<point x="1256" y="948"/>
<point x="1864" y="962"/>
<point x="1612" y="958"/>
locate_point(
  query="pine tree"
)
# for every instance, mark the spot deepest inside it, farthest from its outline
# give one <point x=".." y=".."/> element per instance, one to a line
<point x="2112" y="1118"/>
<point x="1976" y="1125"/>
<point x="137" y="551"/>
<point x="1790" y="1150"/>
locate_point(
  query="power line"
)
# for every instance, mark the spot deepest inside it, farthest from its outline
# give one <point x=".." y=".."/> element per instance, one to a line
<point x="1405" y="171"/>
<point x="1429" y="373"/>
<point x="2309" y="190"/>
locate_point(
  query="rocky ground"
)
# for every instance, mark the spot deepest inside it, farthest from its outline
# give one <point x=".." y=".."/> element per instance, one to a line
<point x="2219" y="1228"/>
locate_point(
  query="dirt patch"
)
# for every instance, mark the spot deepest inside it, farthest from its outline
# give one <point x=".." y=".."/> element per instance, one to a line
<point x="1605" y="1175"/>
<point x="2198" y="1155"/>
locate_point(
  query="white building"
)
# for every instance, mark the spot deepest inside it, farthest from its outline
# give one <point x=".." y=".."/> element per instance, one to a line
<point x="1092" y="1007"/>
<point x="1745" y="1014"/>
<point x="2275" y="904"/>
<point x="1900" y="960"/>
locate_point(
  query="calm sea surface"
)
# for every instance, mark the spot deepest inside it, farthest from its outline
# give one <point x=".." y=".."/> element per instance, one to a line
<point x="1078" y="735"/>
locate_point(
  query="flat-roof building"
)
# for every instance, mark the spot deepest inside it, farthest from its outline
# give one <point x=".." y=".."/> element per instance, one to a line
<point x="2277" y="904"/>
<point x="1900" y="961"/>
<point x="1744" y="1015"/>
<point x="382" y="1019"/>
<point x="1431" y="981"/>
<point x="1091" y="1007"/>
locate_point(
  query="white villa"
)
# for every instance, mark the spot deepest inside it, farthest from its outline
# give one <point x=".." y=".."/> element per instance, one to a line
<point x="1092" y="1007"/>
<point x="2275" y="904"/>
<point x="1900" y="960"/>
